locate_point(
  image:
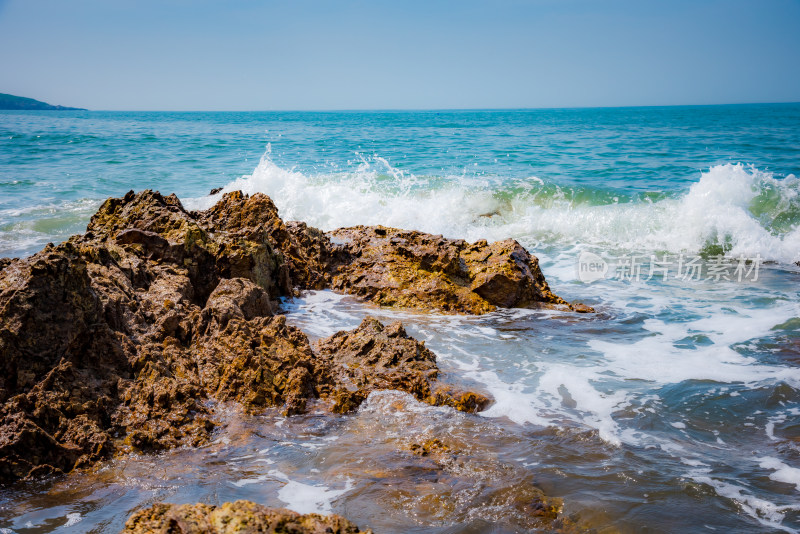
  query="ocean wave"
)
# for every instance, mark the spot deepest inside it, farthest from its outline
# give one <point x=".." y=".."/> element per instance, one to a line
<point x="28" y="229"/>
<point x="731" y="209"/>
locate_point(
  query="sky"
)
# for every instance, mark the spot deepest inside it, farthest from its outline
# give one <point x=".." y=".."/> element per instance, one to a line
<point x="434" y="54"/>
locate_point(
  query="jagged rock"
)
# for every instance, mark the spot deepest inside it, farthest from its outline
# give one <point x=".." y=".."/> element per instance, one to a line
<point x="374" y="357"/>
<point x="412" y="269"/>
<point x="242" y="517"/>
<point x="103" y="348"/>
<point x="117" y="339"/>
<point x="312" y="255"/>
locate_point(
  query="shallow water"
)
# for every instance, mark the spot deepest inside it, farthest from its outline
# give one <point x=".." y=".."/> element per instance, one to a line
<point x="675" y="408"/>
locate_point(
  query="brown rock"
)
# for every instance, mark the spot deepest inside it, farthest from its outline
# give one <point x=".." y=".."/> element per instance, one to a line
<point x="117" y="339"/>
<point x="374" y="357"/>
<point x="242" y="517"/>
<point x="311" y="256"/>
<point x="429" y="447"/>
<point x="412" y="269"/>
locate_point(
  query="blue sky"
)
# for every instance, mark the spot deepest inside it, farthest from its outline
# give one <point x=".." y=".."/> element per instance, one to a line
<point x="348" y="54"/>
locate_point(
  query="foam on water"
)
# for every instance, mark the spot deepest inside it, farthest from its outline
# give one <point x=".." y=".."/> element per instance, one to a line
<point x="782" y="472"/>
<point x="609" y="384"/>
<point x="308" y="499"/>
<point x="740" y="209"/>
<point x="73" y="519"/>
<point x="765" y="512"/>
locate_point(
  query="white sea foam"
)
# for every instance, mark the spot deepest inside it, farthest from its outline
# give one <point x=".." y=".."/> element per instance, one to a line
<point x="782" y="472"/>
<point x="73" y="519"/>
<point x="764" y="511"/>
<point x="588" y="391"/>
<point x="730" y="204"/>
<point x="308" y="499"/>
<point x="26" y="230"/>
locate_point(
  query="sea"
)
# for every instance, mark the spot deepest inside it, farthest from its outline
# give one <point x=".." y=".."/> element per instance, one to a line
<point x="674" y="408"/>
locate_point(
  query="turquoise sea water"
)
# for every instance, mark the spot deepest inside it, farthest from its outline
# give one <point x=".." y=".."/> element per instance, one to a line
<point x="676" y="408"/>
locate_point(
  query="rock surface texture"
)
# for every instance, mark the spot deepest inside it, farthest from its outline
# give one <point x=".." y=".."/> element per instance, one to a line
<point x="119" y="339"/>
<point x="410" y="269"/>
<point x="240" y="517"/>
<point x="376" y="357"/>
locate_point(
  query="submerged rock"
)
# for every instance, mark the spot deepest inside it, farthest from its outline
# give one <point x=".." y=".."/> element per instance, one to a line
<point x="439" y="471"/>
<point x="120" y="339"/>
<point x="242" y="517"/>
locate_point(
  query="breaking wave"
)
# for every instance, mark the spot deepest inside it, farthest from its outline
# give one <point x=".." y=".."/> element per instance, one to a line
<point x="733" y="209"/>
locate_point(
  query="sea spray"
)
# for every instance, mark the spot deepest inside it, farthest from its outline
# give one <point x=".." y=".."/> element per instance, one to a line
<point x="731" y="209"/>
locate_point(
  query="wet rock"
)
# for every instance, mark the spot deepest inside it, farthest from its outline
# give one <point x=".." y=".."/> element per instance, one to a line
<point x="240" y="517"/>
<point x="237" y="298"/>
<point x="442" y="469"/>
<point x="377" y="357"/>
<point x="412" y="269"/>
<point x="429" y="447"/>
<point x="105" y="350"/>
<point x="312" y="256"/>
<point x="120" y="339"/>
<point x="117" y="339"/>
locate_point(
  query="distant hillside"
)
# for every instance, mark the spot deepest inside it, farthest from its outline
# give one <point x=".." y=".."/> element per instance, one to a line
<point x="20" y="102"/>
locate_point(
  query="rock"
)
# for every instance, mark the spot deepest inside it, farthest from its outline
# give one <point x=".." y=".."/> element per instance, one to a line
<point x="237" y="517"/>
<point x="375" y="357"/>
<point x="581" y="308"/>
<point x="237" y="298"/>
<point x="105" y="348"/>
<point x="513" y="498"/>
<point x="312" y="256"/>
<point x="118" y="339"/>
<point x="429" y="447"/>
<point x="410" y="269"/>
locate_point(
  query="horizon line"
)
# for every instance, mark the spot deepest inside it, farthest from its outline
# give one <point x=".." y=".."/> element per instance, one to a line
<point x="400" y="110"/>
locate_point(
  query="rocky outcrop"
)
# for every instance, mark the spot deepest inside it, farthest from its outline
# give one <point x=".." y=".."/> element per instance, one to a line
<point x="116" y="340"/>
<point x="243" y="236"/>
<point x="241" y="517"/>
<point x="410" y="269"/>
<point x="414" y="270"/>
<point x="375" y="357"/>
<point x="104" y="350"/>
